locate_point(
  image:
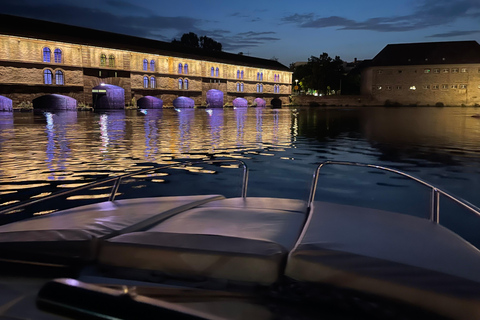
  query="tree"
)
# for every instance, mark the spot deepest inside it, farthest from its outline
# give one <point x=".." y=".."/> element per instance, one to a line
<point x="191" y="40"/>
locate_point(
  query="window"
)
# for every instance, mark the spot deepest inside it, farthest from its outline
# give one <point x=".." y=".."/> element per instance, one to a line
<point x="180" y="68"/>
<point x="212" y="71"/>
<point x="238" y="75"/>
<point x="413" y="88"/>
<point x="57" y="55"/>
<point x="379" y="88"/>
<point x="145" y="64"/>
<point x="261" y="75"/>
<point x="145" y="82"/>
<point x="180" y="84"/>
<point x="380" y="71"/>
<point x="274" y="78"/>
<point x="185" y="84"/>
<point x="185" y="68"/>
<point x="47" y="76"/>
<point x="435" y="87"/>
<point x="388" y="87"/>
<point x="445" y="70"/>
<point x="464" y="70"/>
<point x="399" y="87"/>
<point x="217" y="72"/>
<point x="241" y="87"/>
<point x="454" y="70"/>
<point x="46" y="54"/>
<point x="153" y="83"/>
<point x="463" y="86"/>
<point x="454" y="86"/>
<point x="258" y="87"/>
<point x="241" y="73"/>
<point x="111" y="61"/>
<point x="103" y="60"/>
<point x="261" y="88"/>
<point x="426" y="70"/>
<point x="59" y="77"/>
<point x="444" y="86"/>
<point x="238" y="87"/>
<point x="436" y="70"/>
<point x="258" y="75"/>
<point x="426" y="86"/>
<point x="152" y="65"/>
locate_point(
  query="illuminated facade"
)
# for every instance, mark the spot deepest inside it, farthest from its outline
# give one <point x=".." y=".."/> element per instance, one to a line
<point x="38" y="58"/>
<point x="436" y="73"/>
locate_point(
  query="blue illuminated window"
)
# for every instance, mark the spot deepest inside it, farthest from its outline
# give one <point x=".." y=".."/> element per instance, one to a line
<point x="258" y="75"/>
<point x="258" y="88"/>
<point x="216" y="72"/>
<point x="212" y="71"/>
<point x="261" y="88"/>
<point x="145" y="64"/>
<point x="242" y="74"/>
<point x="185" y="68"/>
<point x="180" y="84"/>
<point x="46" y="54"/>
<point x="180" y="67"/>
<point x="145" y="82"/>
<point x="103" y="60"/>
<point x="238" y="74"/>
<point x="152" y="65"/>
<point x="111" y="61"/>
<point x="185" y="84"/>
<point x="241" y="87"/>
<point x="238" y="87"/>
<point x="57" y="55"/>
<point x="58" y="77"/>
<point x="47" y="76"/>
<point x="153" y="83"/>
<point x="261" y="76"/>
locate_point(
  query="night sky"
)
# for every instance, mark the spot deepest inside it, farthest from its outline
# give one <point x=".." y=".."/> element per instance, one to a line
<point x="288" y="30"/>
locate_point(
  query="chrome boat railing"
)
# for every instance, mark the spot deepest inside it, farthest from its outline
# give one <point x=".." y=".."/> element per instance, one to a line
<point x="117" y="180"/>
<point x="434" y="214"/>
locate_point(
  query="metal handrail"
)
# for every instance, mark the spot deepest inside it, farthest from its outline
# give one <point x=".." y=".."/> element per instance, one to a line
<point x="434" y="215"/>
<point x="118" y="180"/>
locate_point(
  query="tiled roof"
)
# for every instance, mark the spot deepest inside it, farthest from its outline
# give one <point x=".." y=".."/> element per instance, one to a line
<point x="452" y="52"/>
<point x="26" y="27"/>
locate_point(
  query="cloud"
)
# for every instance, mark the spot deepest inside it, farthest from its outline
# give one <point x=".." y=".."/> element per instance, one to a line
<point x="428" y="13"/>
<point x="248" y="39"/>
<point x="452" y="34"/>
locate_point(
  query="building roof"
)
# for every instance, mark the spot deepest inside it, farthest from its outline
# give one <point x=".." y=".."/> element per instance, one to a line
<point x="39" y="29"/>
<point x="427" y="53"/>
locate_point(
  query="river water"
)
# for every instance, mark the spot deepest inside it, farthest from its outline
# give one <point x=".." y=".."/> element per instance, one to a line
<point x="43" y="152"/>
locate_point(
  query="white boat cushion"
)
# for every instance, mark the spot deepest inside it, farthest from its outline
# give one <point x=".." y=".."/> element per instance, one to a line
<point x="228" y="239"/>
<point x="73" y="233"/>
<point x="390" y="254"/>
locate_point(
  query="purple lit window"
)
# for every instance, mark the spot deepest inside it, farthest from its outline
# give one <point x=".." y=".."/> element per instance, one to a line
<point x="261" y="88"/>
<point x="258" y="88"/>
<point x="241" y="87"/>
<point x="216" y="72"/>
<point x="261" y="76"/>
<point x="185" y="68"/>
<point x="180" y="67"/>
<point x="238" y="75"/>
<point x="152" y="65"/>
<point x="242" y="74"/>
<point x="145" y="82"/>
<point x="212" y="71"/>
<point x="57" y="55"/>
<point x="46" y="54"/>
<point x="111" y="61"/>
<point x="238" y="87"/>
<point x="58" y="77"/>
<point x="47" y="76"/>
<point x="185" y="84"/>
<point x="145" y="64"/>
<point x="103" y="60"/>
<point x="258" y="75"/>
<point x="180" y="84"/>
<point x="153" y="83"/>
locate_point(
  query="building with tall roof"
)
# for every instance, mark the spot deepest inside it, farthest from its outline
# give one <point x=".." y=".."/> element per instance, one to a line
<point x="39" y="57"/>
<point x="434" y="73"/>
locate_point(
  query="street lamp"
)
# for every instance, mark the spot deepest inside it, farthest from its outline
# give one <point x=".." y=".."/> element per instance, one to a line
<point x="296" y="85"/>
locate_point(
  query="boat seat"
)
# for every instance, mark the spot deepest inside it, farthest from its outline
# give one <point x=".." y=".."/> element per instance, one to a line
<point x="74" y="233"/>
<point x="233" y="239"/>
<point x="391" y="255"/>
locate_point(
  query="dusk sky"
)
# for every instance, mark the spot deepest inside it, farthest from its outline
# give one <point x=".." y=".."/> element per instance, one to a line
<point x="288" y="30"/>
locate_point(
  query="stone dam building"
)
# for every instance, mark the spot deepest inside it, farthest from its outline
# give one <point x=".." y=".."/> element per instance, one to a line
<point x="39" y="58"/>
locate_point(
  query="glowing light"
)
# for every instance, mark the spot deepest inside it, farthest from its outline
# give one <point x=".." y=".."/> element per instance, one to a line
<point x="9" y="202"/>
<point x="91" y="196"/>
<point x="41" y="195"/>
<point x="41" y="213"/>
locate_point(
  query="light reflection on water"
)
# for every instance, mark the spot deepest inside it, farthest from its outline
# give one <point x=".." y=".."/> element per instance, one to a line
<point x="281" y="146"/>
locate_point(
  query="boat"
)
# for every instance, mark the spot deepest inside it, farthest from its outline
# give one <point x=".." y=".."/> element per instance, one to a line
<point x="207" y="256"/>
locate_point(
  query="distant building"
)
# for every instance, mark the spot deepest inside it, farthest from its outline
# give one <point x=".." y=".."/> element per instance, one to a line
<point x="39" y="58"/>
<point x="433" y="73"/>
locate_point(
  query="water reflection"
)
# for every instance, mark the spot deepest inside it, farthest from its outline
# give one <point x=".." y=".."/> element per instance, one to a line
<point x="152" y="120"/>
<point x="240" y="116"/>
<point x="185" y="121"/>
<point x="215" y="121"/>
<point x="112" y="129"/>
